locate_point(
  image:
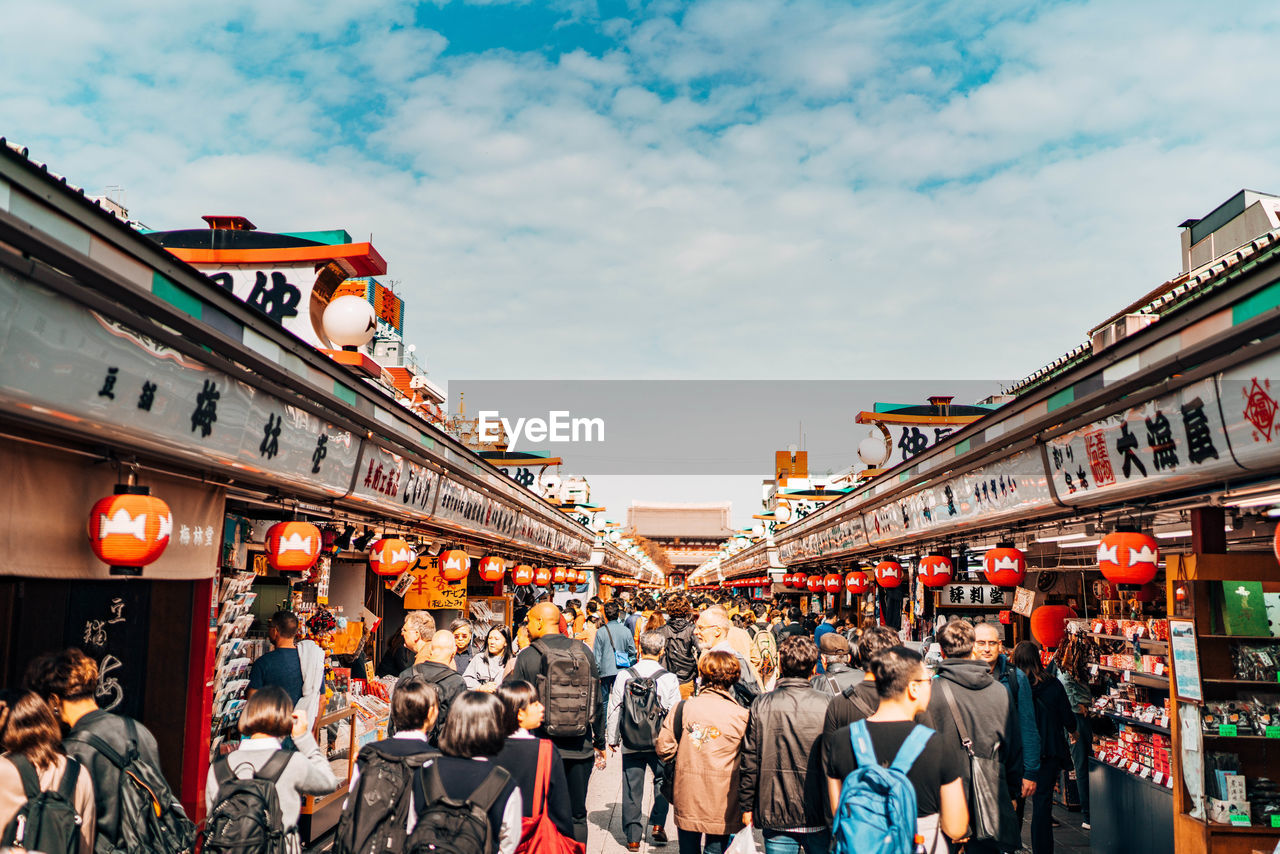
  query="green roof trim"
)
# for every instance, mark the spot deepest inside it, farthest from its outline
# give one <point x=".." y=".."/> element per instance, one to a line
<point x="426" y="440"/>
<point x="345" y="394"/>
<point x="331" y="237"/>
<point x="1256" y="304"/>
<point x="962" y="447"/>
<point x="176" y="296"/>
<point x="1059" y="399"/>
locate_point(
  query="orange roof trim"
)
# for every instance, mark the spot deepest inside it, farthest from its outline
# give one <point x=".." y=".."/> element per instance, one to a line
<point x="359" y="259"/>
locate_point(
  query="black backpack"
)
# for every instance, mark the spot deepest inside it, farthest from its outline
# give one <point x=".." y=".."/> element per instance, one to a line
<point x="450" y="826"/>
<point x="246" y="814"/>
<point x="376" y="812"/>
<point x="681" y="656"/>
<point x="48" y="821"/>
<point x="151" y="819"/>
<point x="641" y="711"/>
<point x="566" y="689"/>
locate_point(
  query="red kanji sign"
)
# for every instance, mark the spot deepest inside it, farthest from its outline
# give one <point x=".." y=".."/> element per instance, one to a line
<point x="1095" y="445"/>
<point x="1260" y="408"/>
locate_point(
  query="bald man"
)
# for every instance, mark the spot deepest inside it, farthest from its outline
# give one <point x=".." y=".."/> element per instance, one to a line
<point x="578" y="753"/>
<point x="435" y="664"/>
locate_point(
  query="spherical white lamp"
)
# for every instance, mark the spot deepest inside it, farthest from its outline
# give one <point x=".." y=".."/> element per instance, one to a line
<point x="349" y="322"/>
<point x="872" y="451"/>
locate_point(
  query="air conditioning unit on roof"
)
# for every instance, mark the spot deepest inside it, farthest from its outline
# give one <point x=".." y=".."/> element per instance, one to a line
<point x="1119" y="329"/>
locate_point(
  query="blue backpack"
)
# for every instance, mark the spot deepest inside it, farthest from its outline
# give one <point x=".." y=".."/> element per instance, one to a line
<point x="877" y="813"/>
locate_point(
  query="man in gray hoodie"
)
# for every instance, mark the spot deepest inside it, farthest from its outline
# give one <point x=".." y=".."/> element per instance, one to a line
<point x="987" y="714"/>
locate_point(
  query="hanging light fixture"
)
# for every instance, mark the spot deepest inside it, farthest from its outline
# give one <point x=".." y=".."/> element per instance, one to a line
<point x="129" y="529"/>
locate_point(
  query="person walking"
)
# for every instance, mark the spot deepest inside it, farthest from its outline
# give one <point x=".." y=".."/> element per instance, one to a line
<point x="703" y="735"/>
<point x="269" y="717"/>
<point x="988" y="646"/>
<point x="741" y="642"/>
<point x="837" y="676"/>
<point x="575" y="728"/>
<point x="712" y="632"/>
<point x="522" y="715"/>
<point x="648" y="684"/>
<point x="487" y="670"/>
<point x="470" y="739"/>
<point x="1069" y="667"/>
<point x="614" y="650"/>
<point x="904" y="685"/>
<point x="35" y="761"/>
<point x="281" y="666"/>
<point x="826" y="627"/>
<point x="781" y="786"/>
<point x="680" y="655"/>
<point x="1054" y="717"/>
<point x="435" y="665"/>
<point x="463" y="653"/>
<point x="68" y="681"/>
<point x="793" y="626"/>
<point x="966" y="697"/>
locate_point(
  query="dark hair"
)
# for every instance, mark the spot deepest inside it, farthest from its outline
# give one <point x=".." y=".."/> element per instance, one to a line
<point x="67" y="675"/>
<point x="794" y="614"/>
<point x="894" y="669"/>
<point x="873" y="640"/>
<point x="474" y="726"/>
<point x="459" y="624"/>
<point x="412" y="703"/>
<point x="797" y="656"/>
<point x="1026" y="657"/>
<point x="268" y="712"/>
<point x="678" y="606"/>
<point x="284" y="622"/>
<point x="831" y="614"/>
<point x="516" y="696"/>
<point x="28" y="727"/>
<point x="956" y="639"/>
<point x="506" y="636"/>
<point x="611" y="611"/>
<point x="719" y="669"/>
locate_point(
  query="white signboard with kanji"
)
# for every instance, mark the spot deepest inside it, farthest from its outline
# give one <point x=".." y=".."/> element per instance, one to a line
<point x="973" y="595"/>
<point x="1249" y="396"/>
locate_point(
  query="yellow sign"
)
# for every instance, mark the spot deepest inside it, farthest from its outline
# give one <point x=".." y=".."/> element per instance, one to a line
<point x="429" y="589"/>
<point x="260" y="563"/>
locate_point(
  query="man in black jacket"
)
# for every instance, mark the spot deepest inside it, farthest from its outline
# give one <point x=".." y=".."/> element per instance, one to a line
<point x="781" y="784"/>
<point x="992" y="723"/>
<point x="681" y="655"/>
<point x="435" y="666"/>
<point x="578" y="753"/>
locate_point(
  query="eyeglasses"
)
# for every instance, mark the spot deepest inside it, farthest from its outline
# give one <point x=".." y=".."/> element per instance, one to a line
<point x="986" y="643"/>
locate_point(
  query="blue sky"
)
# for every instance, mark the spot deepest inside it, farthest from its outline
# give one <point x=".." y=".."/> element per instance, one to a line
<point x="706" y="189"/>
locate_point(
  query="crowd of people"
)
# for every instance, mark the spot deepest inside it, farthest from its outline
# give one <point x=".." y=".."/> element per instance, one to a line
<point x="814" y="731"/>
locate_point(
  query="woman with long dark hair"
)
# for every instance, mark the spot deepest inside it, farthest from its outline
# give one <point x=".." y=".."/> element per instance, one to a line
<point x="35" y="762"/>
<point x="1054" y="716"/>
<point x="522" y="714"/>
<point x="486" y="670"/>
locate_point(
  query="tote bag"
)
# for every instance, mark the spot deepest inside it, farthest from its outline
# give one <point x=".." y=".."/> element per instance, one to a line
<point x="538" y="833"/>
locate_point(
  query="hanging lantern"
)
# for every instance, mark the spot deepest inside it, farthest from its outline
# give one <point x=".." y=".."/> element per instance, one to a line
<point x="815" y="583"/>
<point x="935" y="570"/>
<point x="799" y="581"/>
<point x="491" y="568"/>
<point x="583" y="578"/>
<point x="834" y="582"/>
<point x="129" y="529"/>
<point x="1128" y="558"/>
<point x="454" y="564"/>
<point x="857" y="582"/>
<point x="1004" y="566"/>
<point x="1049" y="624"/>
<point x="557" y="575"/>
<point x="391" y="556"/>
<point x="522" y="575"/>
<point x="889" y="573"/>
<point x="542" y="576"/>
<point x="293" y="547"/>
<point x="788" y="581"/>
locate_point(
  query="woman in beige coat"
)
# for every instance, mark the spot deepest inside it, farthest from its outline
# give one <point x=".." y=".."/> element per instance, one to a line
<point x="706" y="752"/>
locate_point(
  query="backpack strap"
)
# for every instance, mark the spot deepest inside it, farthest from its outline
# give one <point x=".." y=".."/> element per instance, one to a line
<point x="961" y="727"/>
<point x="858" y="702"/>
<point x="222" y="772"/>
<point x="488" y="792"/>
<point x="275" y="766"/>
<point x="427" y="784"/>
<point x="70" y="776"/>
<point x="99" y="744"/>
<point x="911" y="749"/>
<point x="27" y="772"/>
<point x="863" y="750"/>
<point x="679" y="721"/>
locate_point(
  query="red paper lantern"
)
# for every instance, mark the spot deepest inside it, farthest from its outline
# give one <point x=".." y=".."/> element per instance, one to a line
<point x="129" y="529"/>
<point x="1004" y="566"/>
<point x="833" y="582"/>
<point x="542" y="576"/>
<point x="454" y="564"/>
<point x="491" y="568"/>
<point x="1049" y="624"/>
<point x="391" y="556"/>
<point x="815" y="583"/>
<point x="557" y="575"/>
<point x="789" y="581"/>
<point x="1128" y="558"/>
<point x="293" y="546"/>
<point x="889" y="573"/>
<point x="857" y="582"/>
<point x="935" y="570"/>
<point x="522" y="575"/>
